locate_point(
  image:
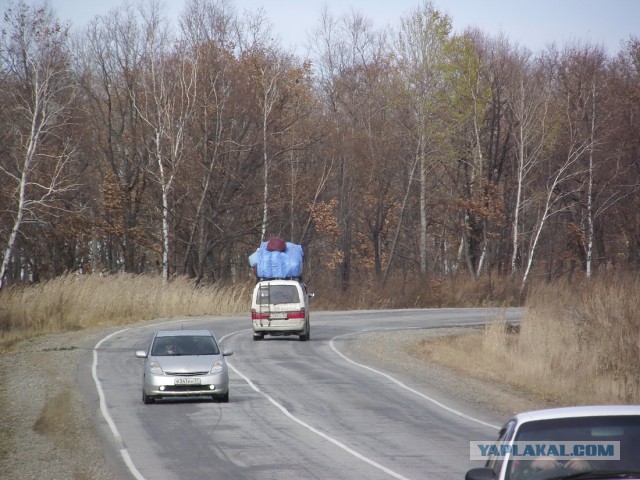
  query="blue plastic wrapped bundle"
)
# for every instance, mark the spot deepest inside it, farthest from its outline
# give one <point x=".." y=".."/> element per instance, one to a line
<point x="272" y="264"/>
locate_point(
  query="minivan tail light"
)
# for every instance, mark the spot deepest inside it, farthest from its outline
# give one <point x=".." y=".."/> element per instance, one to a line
<point x="299" y="314"/>
<point x="259" y="315"/>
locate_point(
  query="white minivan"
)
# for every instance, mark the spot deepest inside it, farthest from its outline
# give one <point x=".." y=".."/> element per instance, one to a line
<point x="280" y="307"/>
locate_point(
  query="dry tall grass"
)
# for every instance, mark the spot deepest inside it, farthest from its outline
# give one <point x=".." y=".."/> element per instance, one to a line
<point x="577" y="344"/>
<point x="77" y="302"/>
<point x="410" y="292"/>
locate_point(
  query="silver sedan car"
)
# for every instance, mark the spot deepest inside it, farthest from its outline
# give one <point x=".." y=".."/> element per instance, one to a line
<point x="184" y="363"/>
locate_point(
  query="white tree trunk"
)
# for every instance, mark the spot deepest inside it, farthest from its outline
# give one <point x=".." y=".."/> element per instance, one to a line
<point x="590" y="184"/>
<point x="516" y="209"/>
<point x="269" y="93"/>
<point x="529" y="105"/>
<point x="423" y="206"/>
<point x="265" y="166"/>
<point x="550" y="207"/>
<point x="167" y="106"/>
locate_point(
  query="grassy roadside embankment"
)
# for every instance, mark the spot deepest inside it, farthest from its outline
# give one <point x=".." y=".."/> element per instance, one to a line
<point x="578" y="344"/>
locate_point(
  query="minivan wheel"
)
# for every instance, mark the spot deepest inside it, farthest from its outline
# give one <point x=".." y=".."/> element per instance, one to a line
<point x="306" y="335"/>
<point x="258" y="336"/>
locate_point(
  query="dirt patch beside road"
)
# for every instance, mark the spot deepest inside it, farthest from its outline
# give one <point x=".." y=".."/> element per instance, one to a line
<point x="48" y="426"/>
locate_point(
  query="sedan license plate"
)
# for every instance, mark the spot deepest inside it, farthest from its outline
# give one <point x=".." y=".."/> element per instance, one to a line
<point x="278" y="316"/>
<point x="187" y="381"/>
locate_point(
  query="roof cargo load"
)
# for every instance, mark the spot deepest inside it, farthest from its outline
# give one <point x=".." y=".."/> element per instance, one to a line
<point x="276" y="244"/>
<point x="277" y="259"/>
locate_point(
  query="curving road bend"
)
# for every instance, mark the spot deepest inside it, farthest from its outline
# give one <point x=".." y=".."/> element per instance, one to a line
<point x="297" y="410"/>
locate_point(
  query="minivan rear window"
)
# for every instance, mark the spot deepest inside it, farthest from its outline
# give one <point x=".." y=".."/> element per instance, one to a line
<point x="275" y="294"/>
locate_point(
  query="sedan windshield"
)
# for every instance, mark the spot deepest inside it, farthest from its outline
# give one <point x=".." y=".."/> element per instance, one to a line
<point x="575" y="434"/>
<point x="185" y="345"/>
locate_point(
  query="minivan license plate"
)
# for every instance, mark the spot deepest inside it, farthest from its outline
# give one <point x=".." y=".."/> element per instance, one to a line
<point x="187" y="381"/>
<point x="278" y="316"/>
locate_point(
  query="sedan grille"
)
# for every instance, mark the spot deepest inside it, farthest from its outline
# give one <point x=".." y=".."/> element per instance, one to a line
<point x="187" y="374"/>
<point x="188" y="388"/>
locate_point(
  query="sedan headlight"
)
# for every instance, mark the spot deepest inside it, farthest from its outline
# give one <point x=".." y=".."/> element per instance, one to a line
<point x="218" y="366"/>
<point x="154" y="367"/>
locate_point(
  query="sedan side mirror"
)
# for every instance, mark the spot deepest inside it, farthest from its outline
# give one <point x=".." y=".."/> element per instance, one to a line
<point x="226" y="353"/>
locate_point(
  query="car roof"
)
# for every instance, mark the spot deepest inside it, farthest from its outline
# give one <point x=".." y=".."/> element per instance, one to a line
<point x="183" y="333"/>
<point x="579" y="411"/>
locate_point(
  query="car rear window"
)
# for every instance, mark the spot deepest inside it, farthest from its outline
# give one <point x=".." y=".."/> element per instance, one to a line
<point x="276" y="294"/>
<point x="185" y="345"/>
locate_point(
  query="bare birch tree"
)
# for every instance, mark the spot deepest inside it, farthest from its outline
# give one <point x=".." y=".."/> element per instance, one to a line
<point x="166" y="104"/>
<point x="35" y="58"/>
<point x="268" y="78"/>
<point x="561" y="169"/>
<point x="528" y="102"/>
<point x="275" y="83"/>
<point x="421" y="49"/>
<point x="588" y="66"/>
<point x="592" y="129"/>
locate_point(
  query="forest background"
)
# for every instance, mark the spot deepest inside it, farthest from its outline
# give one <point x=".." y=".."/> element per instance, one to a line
<point x="402" y="160"/>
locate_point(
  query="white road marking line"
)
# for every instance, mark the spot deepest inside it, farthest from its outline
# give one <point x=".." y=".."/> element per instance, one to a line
<point x="105" y="411"/>
<point x="401" y="384"/>
<point x="337" y="443"/>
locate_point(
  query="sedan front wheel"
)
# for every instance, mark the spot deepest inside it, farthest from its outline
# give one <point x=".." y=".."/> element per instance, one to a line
<point x="146" y="399"/>
<point x="222" y="398"/>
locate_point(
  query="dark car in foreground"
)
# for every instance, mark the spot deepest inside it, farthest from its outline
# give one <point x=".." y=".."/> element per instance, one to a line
<point x="585" y="442"/>
<point x="184" y="363"/>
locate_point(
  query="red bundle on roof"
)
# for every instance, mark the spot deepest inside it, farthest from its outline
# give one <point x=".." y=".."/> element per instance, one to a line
<point x="276" y="244"/>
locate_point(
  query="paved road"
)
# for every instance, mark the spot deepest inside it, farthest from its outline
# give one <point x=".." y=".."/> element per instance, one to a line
<point x="297" y="410"/>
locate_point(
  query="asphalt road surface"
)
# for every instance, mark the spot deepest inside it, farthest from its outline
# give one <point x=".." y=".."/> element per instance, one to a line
<point x="297" y="410"/>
